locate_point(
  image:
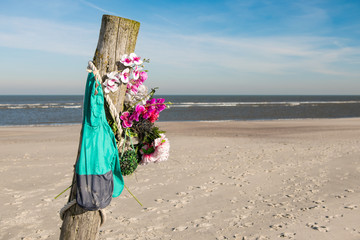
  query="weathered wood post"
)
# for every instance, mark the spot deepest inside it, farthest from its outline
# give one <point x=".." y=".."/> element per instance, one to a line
<point x="117" y="37"/>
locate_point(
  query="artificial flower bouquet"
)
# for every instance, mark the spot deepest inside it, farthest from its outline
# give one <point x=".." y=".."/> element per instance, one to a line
<point x="143" y="142"/>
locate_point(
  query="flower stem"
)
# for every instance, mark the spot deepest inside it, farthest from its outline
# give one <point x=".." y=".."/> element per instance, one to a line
<point x="63" y="192"/>
<point x="133" y="195"/>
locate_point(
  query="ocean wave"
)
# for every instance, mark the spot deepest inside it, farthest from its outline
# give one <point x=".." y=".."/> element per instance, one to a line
<point x="40" y="105"/>
<point x="78" y="106"/>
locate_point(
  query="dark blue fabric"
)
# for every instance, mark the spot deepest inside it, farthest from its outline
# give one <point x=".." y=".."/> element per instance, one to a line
<point x="94" y="191"/>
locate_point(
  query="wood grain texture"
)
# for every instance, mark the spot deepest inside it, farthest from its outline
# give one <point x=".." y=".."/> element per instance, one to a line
<point x="117" y="37"/>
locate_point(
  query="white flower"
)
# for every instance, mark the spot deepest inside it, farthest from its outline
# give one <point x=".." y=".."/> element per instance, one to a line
<point x="126" y="60"/>
<point x="136" y="72"/>
<point x="111" y="83"/>
<point x="124" y="75"/>
<point x="112" y="75"/>
<point x="140" y="97"/>
<point x="135" y="59"/>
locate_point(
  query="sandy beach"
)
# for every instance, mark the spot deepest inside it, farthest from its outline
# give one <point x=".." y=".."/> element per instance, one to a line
<point x="283" y="179"/>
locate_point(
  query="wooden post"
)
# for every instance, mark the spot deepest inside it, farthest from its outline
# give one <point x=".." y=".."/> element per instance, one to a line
<point x="117" y="37"/>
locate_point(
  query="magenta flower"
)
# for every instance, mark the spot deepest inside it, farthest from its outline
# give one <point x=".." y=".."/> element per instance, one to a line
<point x="143" y="77"/>
<point x="139" y="109"/>
<point x="126" y="121"/>
<point x="160" y="100"/>
<point x="157" y="103"/>
<point x="151" y="101"/>
<point x="153" y="107"/>
<point x="160" y="104"/>
<point x="150" y="110"/>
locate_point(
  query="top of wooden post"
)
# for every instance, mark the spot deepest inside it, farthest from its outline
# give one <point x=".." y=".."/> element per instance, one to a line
<point x="117" y="37"/>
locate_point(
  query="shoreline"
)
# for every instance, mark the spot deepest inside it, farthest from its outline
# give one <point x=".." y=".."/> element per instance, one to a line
<point x="193" y="121"/>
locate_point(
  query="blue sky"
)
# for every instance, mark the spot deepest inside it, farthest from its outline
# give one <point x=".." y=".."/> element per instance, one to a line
<point x="195" y="47"/>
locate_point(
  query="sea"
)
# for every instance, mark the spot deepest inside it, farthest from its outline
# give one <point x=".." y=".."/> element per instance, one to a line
<point x="26" y="110"/>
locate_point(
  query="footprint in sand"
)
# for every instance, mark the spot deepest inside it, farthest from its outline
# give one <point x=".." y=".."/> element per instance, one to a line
<point x="159" y="200"/>
<point x="163" y="211"/>
<point x="203" y="227"/>
<point x="149" y="209"/>
<point x="248" y="207"/>
<point x="351" y="207"/>
<point x="276" y="226"/>
<point x="284" y="215"/>
<point x="287" y="235"/>
<point x="182" y="193"/>
<point x="329" y="218"/>
<point x="179" y="229"/>
<point x="240" y="237"/>
<point x="340" y="196"/>
<point x="246" y="225"/>
<point x="315" y="226"/>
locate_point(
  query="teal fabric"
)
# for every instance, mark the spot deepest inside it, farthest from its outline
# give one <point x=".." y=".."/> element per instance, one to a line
<point x="99" y="154"/>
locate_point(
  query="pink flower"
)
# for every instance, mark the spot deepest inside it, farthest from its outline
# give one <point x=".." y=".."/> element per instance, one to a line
<point x="151" y="101"/>
<point x="127" y="61"/>
<point x="154" y="117"/>
<point x="147" y="154"/>
<point x="134" y="88"/>
<point x="148" y="113"/>
<point x="143" y="77"/>
<point x="153" y="108"/>
<point x="162" y="148"/>
<point x="160" y="104"/>
<point x="161" y="151"/>
<point x="137" y="60"/>
<point x="126" y="121"/>
<point x="139" y="109"/>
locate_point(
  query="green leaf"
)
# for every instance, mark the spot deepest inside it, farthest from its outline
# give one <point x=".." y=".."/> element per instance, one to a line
<point x="149" y="150"/>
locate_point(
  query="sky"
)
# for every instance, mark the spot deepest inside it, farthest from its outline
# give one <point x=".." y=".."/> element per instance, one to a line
<point x="241" y="47"/>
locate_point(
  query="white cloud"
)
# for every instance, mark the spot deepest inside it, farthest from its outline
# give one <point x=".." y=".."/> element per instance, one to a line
<point x="269" y="55"/>
<point x="44" y="35"/>
<point x="97" y="7"/>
